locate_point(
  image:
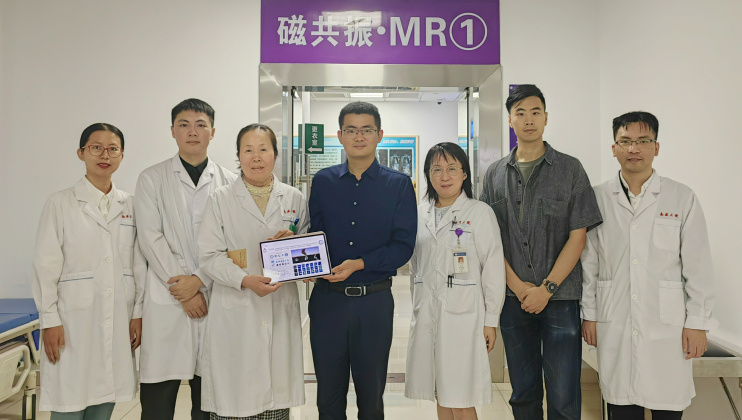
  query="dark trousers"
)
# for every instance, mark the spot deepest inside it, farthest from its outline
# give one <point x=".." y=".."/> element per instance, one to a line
<point x="158" y="400"/>
<point x="557" y="330"/>
<point x="635" y="412"/>
<point x="350" y="334"/>
<point x="91" y="412"/>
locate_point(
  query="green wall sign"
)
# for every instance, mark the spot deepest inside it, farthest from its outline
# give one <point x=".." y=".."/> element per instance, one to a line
<point x="314" y="139"/>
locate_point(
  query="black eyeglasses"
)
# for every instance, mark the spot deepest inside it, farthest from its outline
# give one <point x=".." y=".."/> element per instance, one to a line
<point x="452" y="171"/>
<point x="113" y="151"/>
<point x="642" y="144"/>
<point x="364" y="131"/>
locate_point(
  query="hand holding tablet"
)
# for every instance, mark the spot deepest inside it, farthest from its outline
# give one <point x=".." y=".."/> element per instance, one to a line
<point x="259" y="285"/>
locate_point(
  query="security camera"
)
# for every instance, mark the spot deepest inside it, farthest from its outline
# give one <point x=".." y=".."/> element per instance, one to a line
<point x="439" y="102"/>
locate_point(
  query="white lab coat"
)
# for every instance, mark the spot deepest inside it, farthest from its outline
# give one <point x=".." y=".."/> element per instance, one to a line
<point x="84" y="280"/>
<point x="647" y="274"/>
<point x="169" y="211"/>
<point x="447" y="354"/>
<point x="253" y="347"/>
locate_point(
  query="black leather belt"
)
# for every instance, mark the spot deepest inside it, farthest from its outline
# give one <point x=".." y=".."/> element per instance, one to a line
<point x="360" y="289"/>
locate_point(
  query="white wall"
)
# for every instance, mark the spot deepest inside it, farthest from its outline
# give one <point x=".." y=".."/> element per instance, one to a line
<point x="68" y="64"/>
<point x="554" y="45"/>
<point x="681" y="61"/>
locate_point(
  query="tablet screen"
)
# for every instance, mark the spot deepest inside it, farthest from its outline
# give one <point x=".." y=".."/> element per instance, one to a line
<point x="296" y="257"/>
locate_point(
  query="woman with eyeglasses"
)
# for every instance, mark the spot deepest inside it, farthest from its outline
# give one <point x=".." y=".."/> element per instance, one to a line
<point x="89" y="301"/>
<point x="457" y="277"/>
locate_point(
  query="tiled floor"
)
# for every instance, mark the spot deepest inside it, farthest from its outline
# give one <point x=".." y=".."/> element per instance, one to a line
<point x="397" y="407"/>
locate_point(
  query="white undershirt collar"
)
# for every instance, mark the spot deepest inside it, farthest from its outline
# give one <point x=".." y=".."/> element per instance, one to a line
<point x="636" y="199"/>
<point x="103" y="201"/>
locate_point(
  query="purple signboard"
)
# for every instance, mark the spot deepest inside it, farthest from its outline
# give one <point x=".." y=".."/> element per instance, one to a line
<point x="513" y="138"/>
<point x="380" y="32"/>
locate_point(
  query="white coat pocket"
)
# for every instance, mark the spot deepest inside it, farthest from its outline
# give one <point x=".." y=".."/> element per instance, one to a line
<point x="605" y="300"/>
<point x="76" y="291"/>
<point x="672" y="303"/>
<point x="460" y="241"/>
<point x="666" y="235"/>
<point x="461" y="295"/>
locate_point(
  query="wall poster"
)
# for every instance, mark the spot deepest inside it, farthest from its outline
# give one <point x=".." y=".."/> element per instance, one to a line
<point x="396" y="152"/>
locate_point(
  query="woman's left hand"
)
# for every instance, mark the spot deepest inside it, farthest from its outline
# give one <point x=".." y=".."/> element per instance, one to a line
<point x="135" y="333"/>
<point x="490" y="334"/>
<point x="281" y="234"/>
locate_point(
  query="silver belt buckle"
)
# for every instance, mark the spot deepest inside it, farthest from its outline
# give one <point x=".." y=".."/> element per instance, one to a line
<point x="355" y="290"/>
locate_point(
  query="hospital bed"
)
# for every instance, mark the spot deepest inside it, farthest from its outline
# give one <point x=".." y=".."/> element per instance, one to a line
<point x="19" y="352"/>
<point x="718" y="362"/>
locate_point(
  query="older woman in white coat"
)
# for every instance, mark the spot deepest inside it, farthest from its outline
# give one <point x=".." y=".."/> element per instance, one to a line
<point x="253" y="350"/>
<point x="457" y="276"/>
<point x="89" y="300"/>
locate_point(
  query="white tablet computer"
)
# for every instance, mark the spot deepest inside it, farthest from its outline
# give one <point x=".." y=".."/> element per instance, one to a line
<point x="296" y="257"/>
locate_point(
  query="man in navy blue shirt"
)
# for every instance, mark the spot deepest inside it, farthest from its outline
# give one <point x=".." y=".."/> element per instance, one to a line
<point x="368" y="213"/>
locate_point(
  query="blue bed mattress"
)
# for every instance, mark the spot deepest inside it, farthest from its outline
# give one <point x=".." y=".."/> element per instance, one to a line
<point x="17" y="312"/>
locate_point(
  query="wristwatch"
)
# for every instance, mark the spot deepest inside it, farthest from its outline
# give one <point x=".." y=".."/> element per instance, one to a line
<point x="551" y="287"/>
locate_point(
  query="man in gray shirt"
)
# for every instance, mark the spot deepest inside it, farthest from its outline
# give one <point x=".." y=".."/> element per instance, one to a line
<point x="544" y="205"/>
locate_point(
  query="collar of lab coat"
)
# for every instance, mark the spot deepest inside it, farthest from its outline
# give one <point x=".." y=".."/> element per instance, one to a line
<point x="650" y="196"/>
<point x="183" y="174"/>
<point x="91" y="207"/>
<point x="274" y="202"/>
<point x="448" y="217"/>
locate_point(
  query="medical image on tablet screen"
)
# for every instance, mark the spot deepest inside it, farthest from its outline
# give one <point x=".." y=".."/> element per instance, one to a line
<point x="305" y="254"/>
<point x="306" y="261"/>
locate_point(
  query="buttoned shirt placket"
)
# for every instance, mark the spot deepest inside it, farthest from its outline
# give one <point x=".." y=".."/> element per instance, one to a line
<point x="522" y="200"/>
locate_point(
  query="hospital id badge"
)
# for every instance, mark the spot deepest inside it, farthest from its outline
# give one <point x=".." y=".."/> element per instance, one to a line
<point x="460" y="261"/>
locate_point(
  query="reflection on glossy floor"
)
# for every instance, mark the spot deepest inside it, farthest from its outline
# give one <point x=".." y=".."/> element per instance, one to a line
<point x="396" y="405"/>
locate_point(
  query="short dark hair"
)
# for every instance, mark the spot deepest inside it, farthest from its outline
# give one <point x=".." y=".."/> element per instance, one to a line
<point x="92" y="128"/>
<point x="522" y="92"/>
<point x="449" y="151"/>
<point x="253" y="127"/>
<point x="195" y="105"/>
<point x="360" y="108"/>
<point x="640" y="117"/>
